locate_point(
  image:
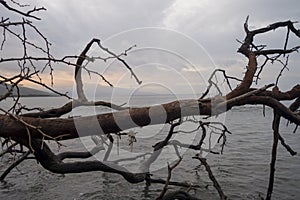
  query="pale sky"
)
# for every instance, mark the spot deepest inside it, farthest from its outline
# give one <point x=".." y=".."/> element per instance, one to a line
<point x="179" y="42"/>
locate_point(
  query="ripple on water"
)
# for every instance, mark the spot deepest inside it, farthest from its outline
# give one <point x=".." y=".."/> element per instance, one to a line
<point x="242" y="170"/>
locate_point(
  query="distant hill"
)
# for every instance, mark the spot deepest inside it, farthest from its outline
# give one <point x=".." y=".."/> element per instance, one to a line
<point x="26" y="92"/>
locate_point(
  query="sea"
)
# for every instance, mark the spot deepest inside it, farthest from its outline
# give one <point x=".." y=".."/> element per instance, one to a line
<point x="242" y="170"/>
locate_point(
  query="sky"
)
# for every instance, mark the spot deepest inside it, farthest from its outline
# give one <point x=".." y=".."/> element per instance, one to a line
<point x="178" y="43"/>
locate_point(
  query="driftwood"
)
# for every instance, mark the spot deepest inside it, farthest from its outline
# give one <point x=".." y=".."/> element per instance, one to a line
<point x="32" y="129"/>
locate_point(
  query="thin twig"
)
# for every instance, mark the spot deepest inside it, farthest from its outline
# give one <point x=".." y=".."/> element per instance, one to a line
<point x="165" y="188"/>
<point x="212" y="177"/>
<point x="13" y="165"/>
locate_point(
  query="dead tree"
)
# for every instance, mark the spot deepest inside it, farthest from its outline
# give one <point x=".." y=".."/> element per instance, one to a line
<point x="30" y="130"/>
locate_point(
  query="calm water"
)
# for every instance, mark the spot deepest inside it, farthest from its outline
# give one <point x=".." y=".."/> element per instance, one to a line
<point x="242" y="170"/>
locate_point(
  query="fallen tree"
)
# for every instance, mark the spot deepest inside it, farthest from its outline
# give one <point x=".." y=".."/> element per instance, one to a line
<point x="32" y="129"/>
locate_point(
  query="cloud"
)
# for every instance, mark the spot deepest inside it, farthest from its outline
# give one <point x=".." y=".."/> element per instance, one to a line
<point x="183" y="35"/>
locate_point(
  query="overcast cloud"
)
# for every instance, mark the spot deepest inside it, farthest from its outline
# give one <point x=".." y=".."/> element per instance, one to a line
<point x="182" y="40"/>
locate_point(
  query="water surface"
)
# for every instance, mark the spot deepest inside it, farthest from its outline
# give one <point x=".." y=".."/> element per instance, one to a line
<point x="242" y="170"/>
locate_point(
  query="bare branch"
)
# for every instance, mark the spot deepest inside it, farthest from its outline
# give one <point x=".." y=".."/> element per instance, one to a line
<point x="275" y="126"/>
<point x="33" y="128"/>
<point x="51" y="162"/>
<point x="212" y="177"/>
<point x="170" y="168"/>
<point x="163" y="143"/>
<point x="81" y="58"/>
<point x="28" y="14"/>
<point x="8" y="149"/>
<point x="121" y="60"/>
<point x="211" y="83"/>
<point x="86" y="154"/>
<point x="248" y="78"/>
<point x="68" y="107"/>
<point x="13" y="165"/>
<point x="286" y="146"/>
